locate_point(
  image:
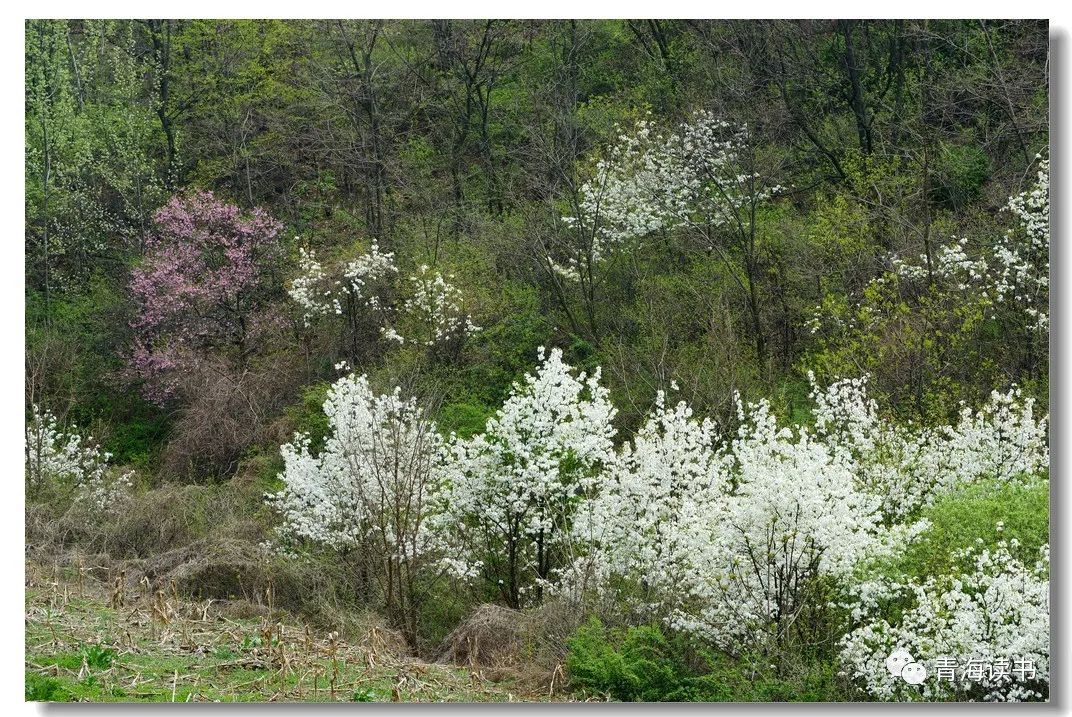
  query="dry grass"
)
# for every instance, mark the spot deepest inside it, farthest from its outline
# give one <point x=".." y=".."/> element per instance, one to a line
<point x="126" y="640"/>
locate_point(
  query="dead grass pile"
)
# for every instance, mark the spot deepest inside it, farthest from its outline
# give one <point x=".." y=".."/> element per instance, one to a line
<point x="528" y="647"/>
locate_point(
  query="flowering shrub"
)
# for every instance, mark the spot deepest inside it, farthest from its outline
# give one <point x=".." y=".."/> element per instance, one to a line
<point x="197" y="286"/>
<point x="431" y="315"/>
<point x="510" y="493"/>
<point x="994" y="611"/>
<point x="369" y="490"/>
<point x="730" y="538"/>
<point x="58" y="458"/>
<point x="434" y="310"/>
<point x="319" y="292"/>
<point x="909" y="466"/>
<point x="1017" y="273"/>
<point x="634" y="524"/>
<point x="739" y="543"/>
<point x="651" y="181"/>
<point x="378" y="446"/>
<point x="727" y="543"/>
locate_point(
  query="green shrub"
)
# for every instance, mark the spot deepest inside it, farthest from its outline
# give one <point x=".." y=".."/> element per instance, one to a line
<point x="45" y="689"/>
<point x="98" y="656"/>
<point x="970" y="518"/>
<point x="642" y="664"/>
<point x="642" y="667"/>
<point x="465" y="419"/>
<point x="308" y="416"/>
<point x="960" y="173"/>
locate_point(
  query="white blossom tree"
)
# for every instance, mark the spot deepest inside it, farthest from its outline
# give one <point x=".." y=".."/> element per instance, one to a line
<point x="702" y="179"/>
<point x="731" y="543"/>
<point x="369" y="491"/>
<point x="1013" y="272"/>
<point x="65" y="460"/>
<point x="433" y="313"/>
<point x="353" y="291"/>
<point x="510" y="493"/>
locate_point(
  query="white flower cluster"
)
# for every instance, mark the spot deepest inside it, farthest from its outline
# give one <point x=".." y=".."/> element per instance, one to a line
<point x="436" y="308"/>
<point x="1018" y="269"/>
<point x="995" y="611"/>
<point x="511" y="490"/>
<point x="726" y="540"/>
<point x="57" y="457"/>
<point x="652" y="181"/>
<point x="909" y="466"/>
<point x="377" y="465"/>
<point x="321" y="293"/>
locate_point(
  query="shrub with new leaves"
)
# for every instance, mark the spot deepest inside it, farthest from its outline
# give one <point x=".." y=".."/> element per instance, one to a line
<point x="510" y="493"/>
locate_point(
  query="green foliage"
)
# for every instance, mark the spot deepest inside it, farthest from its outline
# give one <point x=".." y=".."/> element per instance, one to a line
<point x="637" y="666"/>
<point x="97" y="656"/>
<point x="970" y="518"/>
<point x="642" y="664"/>
<point x="308" y="416"/>
<point x="961" y="172"/>
<point x="459" y="144"/>
<point x="464" y="419"/>
<point x="45" y="689"/>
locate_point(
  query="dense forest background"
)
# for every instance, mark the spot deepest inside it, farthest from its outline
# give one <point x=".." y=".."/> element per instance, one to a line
<point x="467" y="150"/>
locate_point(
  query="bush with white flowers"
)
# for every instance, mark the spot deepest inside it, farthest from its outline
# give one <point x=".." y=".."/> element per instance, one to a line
<point x="692" y="177"/>
<point x="737" y="541"/>
<point x="433" y="311"/>
<point x="510" y="492"/>
<point x="1012" y="272"/>
<point x="369" y="490"/>
<point x="726" y="542"/>
<point x="731" y="538"/>
<point x="909" y="466"/>
<point x="994" y="614"/>
<point x="381" y="454"/>
<point x="323" y="292"/>
<point x="58" y="458"/>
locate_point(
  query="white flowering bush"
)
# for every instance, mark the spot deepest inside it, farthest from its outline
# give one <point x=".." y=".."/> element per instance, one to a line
<point x="986" y="625"/>
<point x="381" y="451"/>
<point x="433" y="311"/>
<point x="651" y="181"/>
<point x="64" y="459"/>
<point x="633" y="525"/>
<point x="909" y="466"/>
<point x="510" y="493"/>
<point x="740" y="541"/>
<point x="324" y="292"/>
<point x="1012" y="273"/>
<point x="730" y="543"/>
<point x="369" y="490"/>
<point x="734" y="536"/>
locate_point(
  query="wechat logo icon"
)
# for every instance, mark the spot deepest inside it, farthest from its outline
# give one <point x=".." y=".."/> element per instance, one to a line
<point x="901" y="664"/>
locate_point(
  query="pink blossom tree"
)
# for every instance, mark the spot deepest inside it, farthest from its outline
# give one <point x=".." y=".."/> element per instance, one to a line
<point x="199" y="287"/>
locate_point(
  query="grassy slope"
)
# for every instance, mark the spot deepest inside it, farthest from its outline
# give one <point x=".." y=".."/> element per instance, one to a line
<point x="160" y="649"/>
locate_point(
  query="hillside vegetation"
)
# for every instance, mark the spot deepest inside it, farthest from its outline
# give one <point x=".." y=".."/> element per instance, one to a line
<point x="611" y="359"/>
